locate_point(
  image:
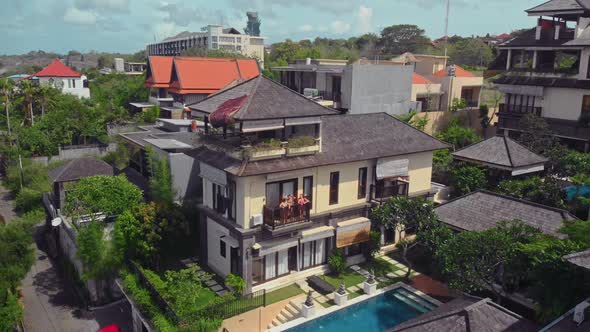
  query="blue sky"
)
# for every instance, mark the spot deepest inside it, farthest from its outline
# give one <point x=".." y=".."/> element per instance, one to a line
<point x="127" y="25"/>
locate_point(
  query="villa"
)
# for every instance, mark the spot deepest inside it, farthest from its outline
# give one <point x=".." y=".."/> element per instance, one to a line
<point x="63" y="78"/>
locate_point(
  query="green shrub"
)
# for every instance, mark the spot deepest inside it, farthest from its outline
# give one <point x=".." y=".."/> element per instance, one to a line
<point x="373" y="246"/>
<point x="28" y="199"/>
<point x="269" y="144"/>
<point x="458" y="135"/>
<point x="11" y="312"/>
<point x="301" y="141"/>
<point x="236" y="282"/>
<point x="337" y="261"/>
<point x="151" y="114"/>
<point x="466" y="179"/>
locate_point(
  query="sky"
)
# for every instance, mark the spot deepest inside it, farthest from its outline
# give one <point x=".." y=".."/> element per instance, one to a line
<point x="126" y="26"/>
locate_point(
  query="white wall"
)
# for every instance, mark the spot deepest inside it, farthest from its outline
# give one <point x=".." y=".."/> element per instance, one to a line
<point x="66" y="82"/>
<point x="565" y="104"/>
<point x="215" y="261"/>
<point x="381" y="88"/>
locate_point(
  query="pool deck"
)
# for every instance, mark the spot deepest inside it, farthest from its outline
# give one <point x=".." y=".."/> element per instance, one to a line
<point x="327" y="311"/>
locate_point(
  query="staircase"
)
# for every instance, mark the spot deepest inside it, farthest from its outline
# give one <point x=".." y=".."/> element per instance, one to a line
<point x="290" y="312"/>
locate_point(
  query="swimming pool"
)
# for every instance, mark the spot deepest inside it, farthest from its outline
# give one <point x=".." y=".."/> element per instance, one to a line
<point x="570" y="192"/>
<point x="377" y="314"/>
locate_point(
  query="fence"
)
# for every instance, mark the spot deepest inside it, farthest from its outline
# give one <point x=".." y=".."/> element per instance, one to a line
<point x="221" y="310"/>
<point x="69" y="152"/>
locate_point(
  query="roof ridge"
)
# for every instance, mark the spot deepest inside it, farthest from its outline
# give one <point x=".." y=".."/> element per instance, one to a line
<point x="508" y="151"/>
<point x="547" y="207"/>
<point x="249" y="98"/>
<point x="416" y="129"/>
<point x="224" y="90"/>
<point x="577" y="254"/>
<point x="298" y="94"/>
<point x="64" y="168"/>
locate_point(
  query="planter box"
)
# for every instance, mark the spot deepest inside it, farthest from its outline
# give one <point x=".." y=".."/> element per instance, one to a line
<point x="265" y="154"/>
<point x="370" y="289"/>
<point x="303" y="151"/>
<point x="307" y="311"/>
<point x="340" y="299"/>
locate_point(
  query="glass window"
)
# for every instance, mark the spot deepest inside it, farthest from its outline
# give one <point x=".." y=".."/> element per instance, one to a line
<point x="334" y="182"/>
<point x="231" y="200"/>
<point x="586" y="105"/>
<point x="222" y="248"/>
<point x="362" y="185"/>
<point x="308" y="187"/>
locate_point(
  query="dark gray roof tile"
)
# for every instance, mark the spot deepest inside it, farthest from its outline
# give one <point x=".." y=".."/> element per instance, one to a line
<point x="76" y="169"/>
<point x="581" y="259"/>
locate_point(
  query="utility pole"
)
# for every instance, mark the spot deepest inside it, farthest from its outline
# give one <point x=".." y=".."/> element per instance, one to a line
<point x="447" y="26"/>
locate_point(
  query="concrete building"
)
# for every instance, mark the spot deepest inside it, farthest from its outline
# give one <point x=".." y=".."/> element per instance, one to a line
<point x="129" y="68"/>
<point x="262" y="143"/>
<point x="426" y="92"/>
<point x="361" y="87"/>
<point x="213" y="37"/>
<point x="63" y="78"/>
<point x="546" y="72"/>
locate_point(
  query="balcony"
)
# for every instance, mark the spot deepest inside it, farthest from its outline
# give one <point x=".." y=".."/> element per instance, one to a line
<point x="278" y="218"/>
<point x="274" y="148"/>
<point x="380" y="193"/>
<point x="519" y="110"/>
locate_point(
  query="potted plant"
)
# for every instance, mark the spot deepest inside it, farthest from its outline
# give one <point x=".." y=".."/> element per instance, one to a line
<point x="302" y="145"/>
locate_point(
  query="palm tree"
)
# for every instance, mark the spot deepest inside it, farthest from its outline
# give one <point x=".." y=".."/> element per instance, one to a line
<point x="28" y="90"/>
<point x="7" y="91"/>
<point x="44" y="95"/>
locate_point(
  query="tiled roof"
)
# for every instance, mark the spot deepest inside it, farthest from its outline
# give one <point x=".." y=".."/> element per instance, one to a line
<point x="482" y="210"/>
<point x="209" y="75"/>
<point x="80" y="168"/>
<point x="266" y="100"/>
<point x="419" y="79"/>
<point x="581" y="259"/>
<point x="159" y="71"/>
<point x="345" y="138"/>
<point x="468" y="314"/>
<point x="459" y="72"/>
<point x="566" y="323"/>
<point x="557" y="5"/>
<point x="57" y="69"/>
<point x="527" y="38"/>
<point x="500" y="151"/>
<point x="543" y="81"/>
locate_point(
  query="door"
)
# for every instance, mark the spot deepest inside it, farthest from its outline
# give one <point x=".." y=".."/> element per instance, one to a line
<point x="293" y="258"/>
<point x="234" y="261"/>
<point x="336" y="86"/>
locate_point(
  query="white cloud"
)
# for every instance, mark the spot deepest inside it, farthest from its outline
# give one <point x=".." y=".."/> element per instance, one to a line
<point x="340" y="27"/>
<point x="306" y="28"/>
<point x="77" y="16"/>
<point x="365" y="19"/>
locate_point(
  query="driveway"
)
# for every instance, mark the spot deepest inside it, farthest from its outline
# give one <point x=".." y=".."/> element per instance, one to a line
<point x="6" y="204"/>
<point x="50" y="305"/>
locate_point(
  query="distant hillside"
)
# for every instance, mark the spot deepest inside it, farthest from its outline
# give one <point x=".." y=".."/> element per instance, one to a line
<point x="33" y="61"/>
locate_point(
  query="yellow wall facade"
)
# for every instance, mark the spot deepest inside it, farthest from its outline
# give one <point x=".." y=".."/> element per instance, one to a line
<point x="251" y="191"/>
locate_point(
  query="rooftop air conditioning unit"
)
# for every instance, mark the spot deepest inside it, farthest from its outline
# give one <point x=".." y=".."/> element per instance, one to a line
<point x="580" y="312"/>
<point x="257" y="220"/>
<point x="311" y="93"/>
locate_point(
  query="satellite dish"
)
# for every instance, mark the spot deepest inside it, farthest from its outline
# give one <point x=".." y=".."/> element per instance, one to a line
<point x="59" y="84"/>
<point x="56" y="222"/>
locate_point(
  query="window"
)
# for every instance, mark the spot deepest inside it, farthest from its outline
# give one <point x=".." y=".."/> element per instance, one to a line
<point x="231" y="201"/>
<point x="218" y="198"/>
<point x="312" y="253"/>
<point x="334" y="182"/>
<point x="221" y="248"/>
<point x="277" y="191"/>
<point x="308" y="187"/>
<point x="354" y="250"/>
<point x="586" y="106"/>
<point x="362" y="186"/>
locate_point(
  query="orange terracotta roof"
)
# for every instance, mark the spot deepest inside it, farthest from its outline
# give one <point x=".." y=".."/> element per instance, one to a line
<point x="209" y="75"/>
<point x="419" y="79"/>
<point x="57" y="69"/>
<point x="459" y="72"/>
<point x="159" y="71"/>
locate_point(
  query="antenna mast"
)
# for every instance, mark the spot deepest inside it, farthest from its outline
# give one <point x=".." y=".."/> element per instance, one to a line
<point x="447" y="26"/>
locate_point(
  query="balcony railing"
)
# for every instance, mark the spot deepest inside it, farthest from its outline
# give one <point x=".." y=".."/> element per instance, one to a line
<point x="520" y="109"/>
<point x="278" y="217"/>
<point x="472" y="103"/>
<point x="381" y="193"/>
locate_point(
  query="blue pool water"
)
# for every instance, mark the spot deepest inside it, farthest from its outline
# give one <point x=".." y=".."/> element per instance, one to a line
<point x="571" y="192"/>
<point x="374" y="315"/>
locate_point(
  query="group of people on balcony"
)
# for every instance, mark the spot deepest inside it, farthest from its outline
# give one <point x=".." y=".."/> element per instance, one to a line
<point x="293" y="207"/>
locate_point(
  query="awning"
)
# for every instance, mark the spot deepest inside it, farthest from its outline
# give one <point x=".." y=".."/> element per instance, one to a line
<point x="261" y="125"/>
<point x="270" y="247"/>
<point x="389" y="168"/>
<point x="231" y="241"/>
<point x="352" y="231"/>
<point x="317" y="233"/>
<point x="142" y="105"/>
<point x="303" y="121"/>
<point x="213" y="174"/>
<point x="273" y="177"/>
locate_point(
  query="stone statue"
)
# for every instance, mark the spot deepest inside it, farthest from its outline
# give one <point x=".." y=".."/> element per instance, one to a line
<point x="309" y="300"/>
<point x="371" y="279"/>
<point x="342" y="288"/>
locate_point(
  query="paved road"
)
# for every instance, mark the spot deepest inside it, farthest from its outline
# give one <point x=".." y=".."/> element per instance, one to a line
<point x="50" y="305"/>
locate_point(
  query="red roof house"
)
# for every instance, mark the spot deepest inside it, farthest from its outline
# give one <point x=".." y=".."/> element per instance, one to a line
<point x="159" y="71"/>
<point x="57" y="69"/>
<point x="419" y="79"/>
<point x="459" y="72"/>
<point x="209" y="75"/>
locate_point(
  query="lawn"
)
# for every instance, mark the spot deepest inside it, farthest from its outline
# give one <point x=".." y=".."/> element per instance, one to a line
<point x="380" y="267"/>
<point x="350" y="278"/>
<point x="283" y="294"/>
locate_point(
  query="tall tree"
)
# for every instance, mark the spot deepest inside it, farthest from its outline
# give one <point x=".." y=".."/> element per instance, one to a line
<point x="411" y="215"/>
<point x="7" y="92"/>
<point x="28" y="91"/>
<point x="397" y="39"/>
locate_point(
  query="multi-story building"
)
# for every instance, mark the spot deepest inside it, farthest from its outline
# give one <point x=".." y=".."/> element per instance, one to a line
<point x="213" y="37"/>
<point x="63" y="78"/>
<point x="175" y="82"/>
<point x="546" y="72"/>
<point x="286" y="180"/>
<point x="361" y="87"/>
